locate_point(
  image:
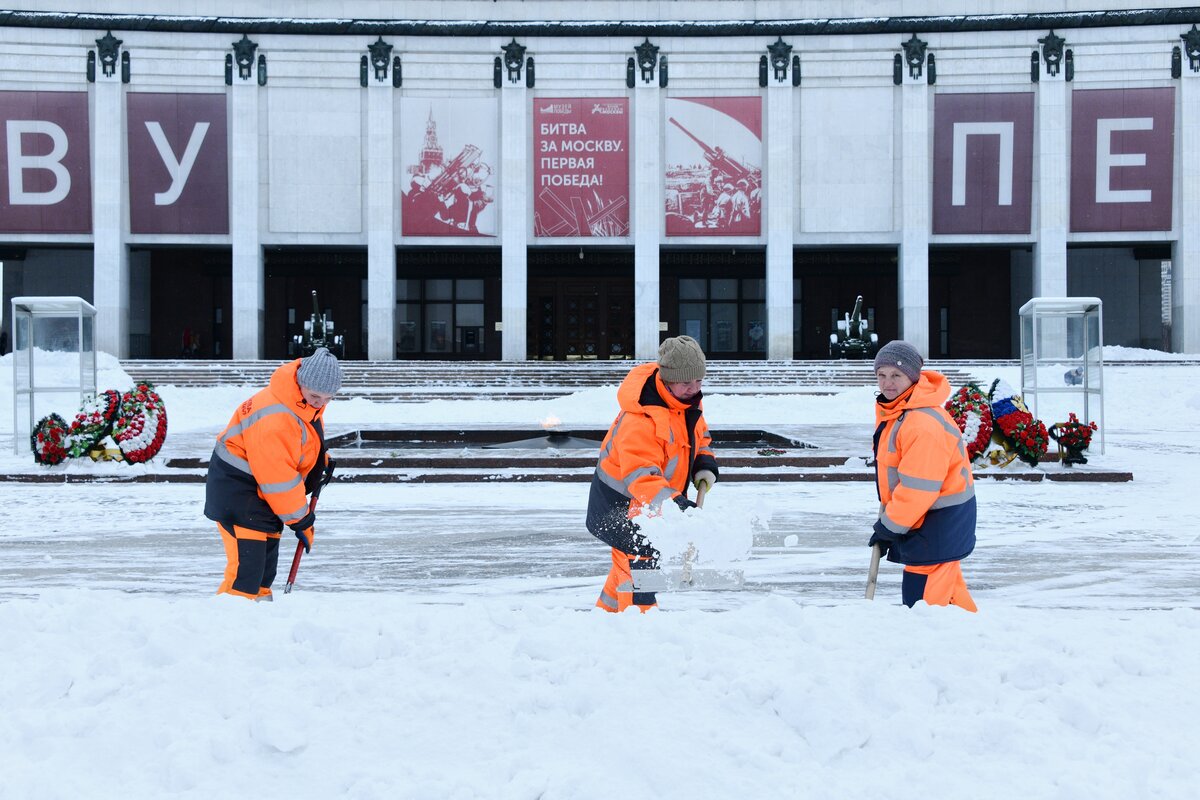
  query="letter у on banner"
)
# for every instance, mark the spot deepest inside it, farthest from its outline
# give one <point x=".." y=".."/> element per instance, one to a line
<point x="983" y="163"/>
<point x="1122" y="159"/>
<point x="45" y="173"/>
<point x="178" y="173"/>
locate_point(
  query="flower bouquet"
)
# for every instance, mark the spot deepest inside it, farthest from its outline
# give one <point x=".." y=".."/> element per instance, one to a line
<point x="1074" y="437"/>
<point x="1021" y="432"/>
<point x="973" y="415"/>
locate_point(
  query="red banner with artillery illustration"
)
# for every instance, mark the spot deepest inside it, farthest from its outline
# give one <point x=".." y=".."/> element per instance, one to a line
<point x="581" y="166"/>
<point x="713" y="166"/>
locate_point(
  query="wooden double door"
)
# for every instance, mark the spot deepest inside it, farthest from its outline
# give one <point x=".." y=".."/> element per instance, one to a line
<point x="580" y="318"/>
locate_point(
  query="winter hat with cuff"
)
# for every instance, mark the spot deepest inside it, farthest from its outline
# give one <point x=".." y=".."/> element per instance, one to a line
<point x="320" y="372"/>
<point x="901" y="355"/>
<point x="680" y="360"/>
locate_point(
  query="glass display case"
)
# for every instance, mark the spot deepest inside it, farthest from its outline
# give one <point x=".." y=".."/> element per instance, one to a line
<point x="1062" y="360"/>
<point x="54" y="353"/>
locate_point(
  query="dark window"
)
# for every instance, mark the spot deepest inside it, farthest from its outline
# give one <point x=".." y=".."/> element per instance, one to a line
<point x="726" y="315"/>
<point x="439" y="316"/>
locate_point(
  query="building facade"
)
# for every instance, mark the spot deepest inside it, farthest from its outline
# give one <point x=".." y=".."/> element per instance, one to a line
<point x="502" y="182"/>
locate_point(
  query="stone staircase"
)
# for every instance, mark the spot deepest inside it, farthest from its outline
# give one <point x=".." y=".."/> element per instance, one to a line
<point x="421" y="381"/>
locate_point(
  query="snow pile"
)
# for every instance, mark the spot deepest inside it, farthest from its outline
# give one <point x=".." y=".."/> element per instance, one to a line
<point x="717" y="534"/>
<point x="381" y="696"/>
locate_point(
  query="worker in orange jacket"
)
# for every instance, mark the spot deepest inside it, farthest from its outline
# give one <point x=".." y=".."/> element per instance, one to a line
<point x="656" y="447"/>
<point x="923" y="478"/>
<point x="269" y="457"/>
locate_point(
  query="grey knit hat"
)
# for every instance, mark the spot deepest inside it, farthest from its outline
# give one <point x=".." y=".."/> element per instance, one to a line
<point x="320" y="372"/>
<point x="680" y="360"/>
<point x="901" y="355"/>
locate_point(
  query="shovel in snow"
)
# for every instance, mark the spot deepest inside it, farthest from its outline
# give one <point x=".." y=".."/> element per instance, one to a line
<point x="688" y="576"/>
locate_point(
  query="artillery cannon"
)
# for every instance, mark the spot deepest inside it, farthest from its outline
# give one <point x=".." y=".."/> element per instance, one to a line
<point x="318" y="332"/>
<point x="853" y="338"/>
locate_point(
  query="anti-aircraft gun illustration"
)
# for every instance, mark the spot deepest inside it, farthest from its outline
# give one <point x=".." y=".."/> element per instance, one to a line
<point x="692" y="192"/>
<point x="716" y="157"/>
<point x="853" y="339"/>
<point x="318" y="332"/>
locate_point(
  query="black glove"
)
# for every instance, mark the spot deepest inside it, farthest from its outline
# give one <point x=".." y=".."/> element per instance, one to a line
<point x="882" y="537"/>
<point x="683" y="503"/>
<point x="304" y="523"/>
<point x="328" y="475"/>
<point x="306" y="538"/>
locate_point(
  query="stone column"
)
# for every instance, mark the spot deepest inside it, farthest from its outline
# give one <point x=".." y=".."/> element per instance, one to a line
<point x="1053" y="170"/>
<point x="381" y="221"/>
<point x="244" y="198"/>
<point x="648" y="214"/>
<point x="110" y="254"/>
<point x="514" y="217"/>
<point x="780" y="177"/>
<point x="916" y="192"/>
<point x="1185" y="260"/>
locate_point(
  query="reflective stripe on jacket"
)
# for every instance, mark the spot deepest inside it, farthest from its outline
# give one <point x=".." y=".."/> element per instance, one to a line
<point x="648" y="456"/>
<point x="926" y="489"/>
<point x="272" y="446"/>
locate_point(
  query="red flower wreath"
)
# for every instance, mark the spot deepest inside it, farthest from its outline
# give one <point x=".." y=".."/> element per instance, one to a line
<point x="1023" y="434"/>
<point x="972" y="412"/>
<point x="47" y="440"/>
<point x="142" y="427"/>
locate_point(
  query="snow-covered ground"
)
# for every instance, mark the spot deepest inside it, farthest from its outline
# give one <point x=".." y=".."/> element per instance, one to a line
<point x="441" y="643"/>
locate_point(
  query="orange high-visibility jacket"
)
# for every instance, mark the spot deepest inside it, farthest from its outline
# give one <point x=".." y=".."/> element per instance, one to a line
<point x="274" y="445"/>
<point x="654" y="447"/>
<point x="923" y="476"/>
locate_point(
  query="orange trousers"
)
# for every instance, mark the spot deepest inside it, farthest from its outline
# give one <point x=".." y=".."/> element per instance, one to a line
<point x="617" y="594"/>
<point x="937" y="585"/>
<point x="252" y="558"/>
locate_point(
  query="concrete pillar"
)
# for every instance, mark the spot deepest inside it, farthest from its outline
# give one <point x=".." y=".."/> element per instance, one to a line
<point x="647" y="216"/>
<point x="244" y="200"/>
<point x="916" y="190"/>
<point x="1053" y="171"/>
<point x="780" y="177"/>
<point x="1185" y="260"/>
<point x="514" y="217"/>
<point x="381" y="222"/>
<point x="110" y="255"/>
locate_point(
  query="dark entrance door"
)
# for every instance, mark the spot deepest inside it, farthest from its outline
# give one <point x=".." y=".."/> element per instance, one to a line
<point x="190" y="302"/>
<point x="293" y="274"/>
<point x="971" y="314"/>
<point x="574" y="317"/>
<point x="826" y="283"/>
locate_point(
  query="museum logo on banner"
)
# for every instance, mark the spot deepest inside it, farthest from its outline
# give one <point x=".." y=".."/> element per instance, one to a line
<point x="1122" y="159"/>
<point x="983" y="163"/>
<point x="45" y="167"/>
<point x="581" y="166"/>
<point x="178" y="163"/>
<point x="713" y="166"/>
<point x="448" y="152"/>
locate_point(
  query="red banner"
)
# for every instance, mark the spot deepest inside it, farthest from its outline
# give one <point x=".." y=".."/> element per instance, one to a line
<point x="178" y="174"/>
<point x="581" y="166"/>
<point x="45" y="166"/>
<point x="983" y="162"/>
<point x="1122" y="159"/>
<point x="714" y="166"/>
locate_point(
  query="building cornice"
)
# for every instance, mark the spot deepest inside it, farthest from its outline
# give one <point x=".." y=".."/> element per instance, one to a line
<point x="163" y="23"/>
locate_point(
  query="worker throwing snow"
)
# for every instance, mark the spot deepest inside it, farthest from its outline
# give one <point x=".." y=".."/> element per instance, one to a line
<point x="656" y="447"/>
<point x="923" y="478"/>
<point x="266" y="460"/>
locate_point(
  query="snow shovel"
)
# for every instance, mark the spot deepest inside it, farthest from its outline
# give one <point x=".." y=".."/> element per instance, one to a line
<point x="312" y="506"/>
<point x="873" y="572"/>
<point x="689" y="576"/>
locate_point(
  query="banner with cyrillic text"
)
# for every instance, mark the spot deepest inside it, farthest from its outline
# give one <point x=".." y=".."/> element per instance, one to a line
<point x="45" y="163"/>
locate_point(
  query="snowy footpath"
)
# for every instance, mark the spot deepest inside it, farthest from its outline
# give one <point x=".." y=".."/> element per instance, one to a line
<point x="441" y="641"/>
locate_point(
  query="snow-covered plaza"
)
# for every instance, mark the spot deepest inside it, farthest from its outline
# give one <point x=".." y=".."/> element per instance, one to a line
<point x="442" y="642"/>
